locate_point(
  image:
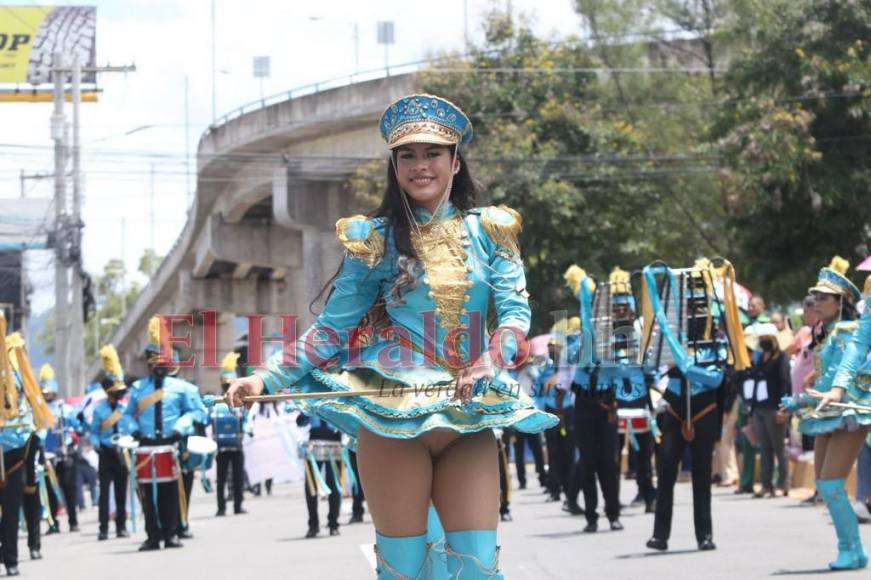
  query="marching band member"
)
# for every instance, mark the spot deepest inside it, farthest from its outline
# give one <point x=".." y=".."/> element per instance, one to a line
<point x="842" y="375"/>
<point x="710" y="338"/>
<point x="108" y="422"/>
<point x="188" y="471"/>
<point x="595" y="413"/>
<point x="633" y="381"/>
<point x="326" y="437"/>
<point x="229" y="427"/>
<point x="26" y="408"/>
<point x="430" y="261"/>
<point x="559" y="446"/>
<point x="61" y="442"/>
<point x="165" y="411"/>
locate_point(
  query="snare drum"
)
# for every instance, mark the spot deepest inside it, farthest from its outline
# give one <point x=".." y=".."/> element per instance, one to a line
<point x="200" y="453"/>
<point x="156" y="463"/>
<point x="228" y="432"/>
<point x="638" y="418"/>
<point x="321" y="450"/>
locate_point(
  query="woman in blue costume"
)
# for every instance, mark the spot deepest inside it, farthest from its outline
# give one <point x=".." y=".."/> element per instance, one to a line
<point x="839" y="433"/>
<point x="407" y="315"/>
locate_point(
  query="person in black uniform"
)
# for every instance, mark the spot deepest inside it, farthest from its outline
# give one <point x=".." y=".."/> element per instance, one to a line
<point x="321" y="431"/>
<point x="31" y="502"/>
<point x="229" y="427"/>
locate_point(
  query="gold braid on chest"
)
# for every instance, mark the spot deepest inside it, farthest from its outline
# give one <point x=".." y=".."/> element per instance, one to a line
<point x="441" y="247"/>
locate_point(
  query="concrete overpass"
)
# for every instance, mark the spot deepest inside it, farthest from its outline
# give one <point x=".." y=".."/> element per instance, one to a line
<point x="259" y="238"/>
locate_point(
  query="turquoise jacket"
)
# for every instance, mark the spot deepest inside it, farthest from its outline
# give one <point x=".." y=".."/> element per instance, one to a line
<point x="365" y="277"/>
<point x="827" y="362"/>
<point x="855" y="363"/>
<point x="180" y="408"/>
<point x="17" y="438"/>
<point x="67" y="424"/>
<point x="395" y="323"/>
<point x="102" y="411"/>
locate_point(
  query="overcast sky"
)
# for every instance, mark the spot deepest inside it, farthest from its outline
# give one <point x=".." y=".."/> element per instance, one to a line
<point x="170" y="41"/>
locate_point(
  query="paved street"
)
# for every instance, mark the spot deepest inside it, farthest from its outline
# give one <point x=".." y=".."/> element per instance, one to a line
<point x="756" y="538"/>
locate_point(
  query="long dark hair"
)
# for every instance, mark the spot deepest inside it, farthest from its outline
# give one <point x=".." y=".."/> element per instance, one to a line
<point x="464" y="196"/>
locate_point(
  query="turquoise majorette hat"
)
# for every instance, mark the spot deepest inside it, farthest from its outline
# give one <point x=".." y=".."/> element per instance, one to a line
<point x="832" y="280"/>
<point x="425" y="119"/>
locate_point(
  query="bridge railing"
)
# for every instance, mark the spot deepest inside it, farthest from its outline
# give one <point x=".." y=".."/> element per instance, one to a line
<point x="342" y="81"/>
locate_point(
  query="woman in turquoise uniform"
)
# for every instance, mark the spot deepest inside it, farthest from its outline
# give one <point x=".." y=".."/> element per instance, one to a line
<point x="407" y="315"/>
<point x="838" y="433"/>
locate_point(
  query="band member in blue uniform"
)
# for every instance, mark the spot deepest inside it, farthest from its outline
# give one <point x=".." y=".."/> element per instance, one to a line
<point x="710" y="338"/>
<point x="187" y="470"/>
<point x="26" y="408"/>
<point x="108" y="423"/>
<point x="323" y="462"/>
<point x="595" y="412"/>
<point x="61" y="443"/>
<point x="229" y="428"/>
<point x="633" y="381"/>
<point x="165" y="411"/>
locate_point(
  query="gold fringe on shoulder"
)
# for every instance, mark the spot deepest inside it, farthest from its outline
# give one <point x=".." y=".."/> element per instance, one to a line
<point x="503" y="225"/>
<point x="360" y="239"/>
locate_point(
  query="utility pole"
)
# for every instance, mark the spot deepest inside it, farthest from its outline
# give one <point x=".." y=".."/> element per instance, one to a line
<point x="69" y="316"/>
<point x="61" y="269"/>
<point x="76" y="379"/>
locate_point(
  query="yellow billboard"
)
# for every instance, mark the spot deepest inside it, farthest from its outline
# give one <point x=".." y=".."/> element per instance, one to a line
<point x="31" y="36"/>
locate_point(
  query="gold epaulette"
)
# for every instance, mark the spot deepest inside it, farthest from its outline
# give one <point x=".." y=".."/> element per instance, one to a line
<point x="503" y="225"/>
<point x="361" y="239"/>
<point x="846" y="327"/>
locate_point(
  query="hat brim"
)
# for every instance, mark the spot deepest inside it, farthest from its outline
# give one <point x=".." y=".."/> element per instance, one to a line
<point x="426" y="138"/>
<point x="824" y="290"/>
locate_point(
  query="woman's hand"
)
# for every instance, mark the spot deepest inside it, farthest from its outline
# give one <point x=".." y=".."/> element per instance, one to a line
<point x="833" y="395"/>
<point x="481" y="369"/>
<point x="241" y="388"/>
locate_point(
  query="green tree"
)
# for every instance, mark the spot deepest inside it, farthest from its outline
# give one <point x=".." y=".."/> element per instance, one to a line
<point x="795" y="137"/>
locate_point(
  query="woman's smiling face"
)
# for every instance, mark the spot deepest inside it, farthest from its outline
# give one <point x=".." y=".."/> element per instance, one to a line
<point x="424" y="172"/>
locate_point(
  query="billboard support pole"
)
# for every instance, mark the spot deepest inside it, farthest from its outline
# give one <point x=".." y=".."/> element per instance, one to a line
<point x="76" y="316"/>
<point x="61" y="288"/>
<point x="69" y="336"/>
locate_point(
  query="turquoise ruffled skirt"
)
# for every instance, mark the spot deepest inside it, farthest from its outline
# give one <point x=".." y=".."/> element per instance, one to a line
<point x="417" y="399"/>
<point x="834" y="419"/>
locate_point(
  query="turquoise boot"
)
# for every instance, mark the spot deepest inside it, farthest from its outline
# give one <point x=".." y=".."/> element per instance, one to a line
<point x="851" y="553"/>
<point x="400" y="558"/>
<point x="473" y="555"/>
<point x="435" y="539"/>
